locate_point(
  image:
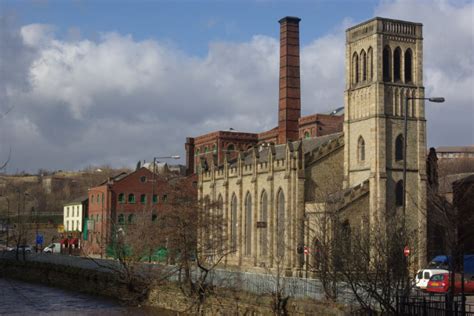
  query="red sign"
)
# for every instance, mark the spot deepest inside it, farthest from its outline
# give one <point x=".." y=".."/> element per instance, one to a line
<point x="406" y="251"/>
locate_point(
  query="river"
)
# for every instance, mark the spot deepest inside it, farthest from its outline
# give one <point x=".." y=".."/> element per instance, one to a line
<point x="21" y="298"/>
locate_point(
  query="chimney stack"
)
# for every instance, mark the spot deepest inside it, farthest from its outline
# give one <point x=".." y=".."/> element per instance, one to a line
<point x="289" y="105"/>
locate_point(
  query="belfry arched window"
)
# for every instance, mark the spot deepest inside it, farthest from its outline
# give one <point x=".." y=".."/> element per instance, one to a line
<point x="399" y="192"/>
<point x="263" y="218"/>
<point x="399" y="144"/>
<point x="370" y="64"/>
<point x="397" y="65"/>
<point x="361" y="149"/>
<point x="233" y="222"/>
<point x="355" y="68"/>
<point x="248" y="224"/>
<point x="387" y="63"/>
<point x="363" y="61"/>
<point x="408" y="66"/>
<point x="280" y="224"/>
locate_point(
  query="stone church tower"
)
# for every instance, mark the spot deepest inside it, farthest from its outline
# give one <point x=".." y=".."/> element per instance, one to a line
<point x="384" y="61"/>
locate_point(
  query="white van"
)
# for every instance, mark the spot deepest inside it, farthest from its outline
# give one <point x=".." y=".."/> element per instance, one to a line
<point x="53" y="248"/>
<point x="423" y="276"/>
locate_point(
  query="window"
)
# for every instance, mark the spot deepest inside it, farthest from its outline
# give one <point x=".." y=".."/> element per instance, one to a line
<point x="214" y="148"/>
<point x="154" y="217"/>
<point x="233" y="225"/>
<point x="155" y="198"/>
<point x="142" y="179"/>
<point x="370" y="62"/>
<point x="363" y="60"/>
<point x="263" y="218"/>
<point x="307" y="135"/>
<point x="355" y="68"/>
<point x="130" y="218"/>
<point x="231" y="147"/>
<point x="131" y="198"/>
<point x="399" y="192"/>
<point x="206" y="150"/>
<point x="103" y="199"/>
<point x="361" y="149"/>
<point x="121" y="219"/>
<point x="399" y="144"/>
<point x="386" y="63"/>
<point x="165" y="198"/>
<point x="280" y="224"/>
<point x="197" y="152"/>
<point x="143" y="198"/>
<point x="220" y="221"/>
<point x="92" y="199"/>
<point x="67" y="225"/>
<point x="408" y="66"/>
<point x="248" y="224"/>
<point x="77" y="225"/>
<point x="67" y="211"/>
<point x="121" y="198"/>
<point x="397" y="64"/>
<point x="98" y="198"/>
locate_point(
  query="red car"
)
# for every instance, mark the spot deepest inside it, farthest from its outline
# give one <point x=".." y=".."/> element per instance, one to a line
<point x="440" y="283"/>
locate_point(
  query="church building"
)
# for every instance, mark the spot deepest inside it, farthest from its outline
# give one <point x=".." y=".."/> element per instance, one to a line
<point x="268" y="188"/>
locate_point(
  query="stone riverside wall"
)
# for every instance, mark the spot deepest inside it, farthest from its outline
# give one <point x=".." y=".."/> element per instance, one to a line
<point x="167" y="296"/>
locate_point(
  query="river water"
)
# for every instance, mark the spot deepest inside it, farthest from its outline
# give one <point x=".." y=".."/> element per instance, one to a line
<point x="21" y="298"/>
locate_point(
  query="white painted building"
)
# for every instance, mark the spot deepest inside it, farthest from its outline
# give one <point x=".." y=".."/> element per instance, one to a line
<point x="73" y="214"/>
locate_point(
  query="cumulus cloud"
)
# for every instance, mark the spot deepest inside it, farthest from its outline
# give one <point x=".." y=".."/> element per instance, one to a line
<point x="116" y="100"/>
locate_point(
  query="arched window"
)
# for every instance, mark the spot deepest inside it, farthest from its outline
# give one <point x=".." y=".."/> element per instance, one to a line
<point x="234" y="224"/>
<point x="197" y="152"/>
<point x="214" y="148"/>
<point x="399" y="144"/>
<point x="399" y="193"/>
<point x="143" y="198"/>
<point x="131" y="198"/>
<point x="280" y="224"/>
<point x="92" y="199"/>
<point x="121" y="219"/>
<point x="408" y="66"/>
<point x="121" y="198"/>
<point x="397" y="65"/>
<point x="361" y="149"/>
<point x="307" y="134"/>
<point x="363" y="60"/>
<point x="387" y="64"/>
<point x="231" y="147"/>
<point x="130" y="218"/>
<point x="355" y="68"/>
<point x="220" y="220"/>
<point x="370" y="64"/>
<point x="263" y="218"/>
<point x="206" y="150"/>
<point x="248" y="224"/>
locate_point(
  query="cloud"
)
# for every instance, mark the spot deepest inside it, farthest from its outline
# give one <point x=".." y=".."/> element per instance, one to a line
<point x="116" y="100"/>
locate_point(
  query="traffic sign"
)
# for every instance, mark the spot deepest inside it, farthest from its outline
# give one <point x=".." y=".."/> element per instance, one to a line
<point x="39" y="239"/>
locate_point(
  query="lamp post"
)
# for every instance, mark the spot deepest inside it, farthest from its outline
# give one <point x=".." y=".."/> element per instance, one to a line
<point x="8" y="217"/>
<point x="405" y="141"/>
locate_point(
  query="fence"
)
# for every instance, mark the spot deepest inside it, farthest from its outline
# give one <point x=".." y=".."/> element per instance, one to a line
<point x="434" y="305"/>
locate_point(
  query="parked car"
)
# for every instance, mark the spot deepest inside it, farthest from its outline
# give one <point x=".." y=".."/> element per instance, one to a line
<point x="423" y="277"/>
<point x="440" y="283"/>
<point x="53" y="248"/>
<point x="20" y="248"/>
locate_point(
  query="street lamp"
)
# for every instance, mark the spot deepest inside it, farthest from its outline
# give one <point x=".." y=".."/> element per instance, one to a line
<point x="405" y="140"/>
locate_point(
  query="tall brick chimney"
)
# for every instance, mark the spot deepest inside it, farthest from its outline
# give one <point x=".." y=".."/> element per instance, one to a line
<point x="289" y="105"/>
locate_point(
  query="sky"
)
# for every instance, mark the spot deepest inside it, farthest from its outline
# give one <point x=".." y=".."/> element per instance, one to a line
<point x="90" y="83"/>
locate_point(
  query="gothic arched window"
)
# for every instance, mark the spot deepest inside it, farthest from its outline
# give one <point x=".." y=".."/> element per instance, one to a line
<point x="386" y="63"/>
<point x="397" y="65"/>
<point x="355" y="68"/>
<point x="370" y="64"/>
<point x="408" y="66"/>
<point x="220" y="220"/>
<point x="233" y="223"/>
<point x="363" y="60"/>
<point x="361" y="149"/>
<point x="248" y="224"/>
<point x="263" y="219"/>
<point x="231" y="147"/>
<point x="280" y="224"/>
<point x="399" y="192"/>
<point x="307" y="134"/>
<point x="399" y="144"/>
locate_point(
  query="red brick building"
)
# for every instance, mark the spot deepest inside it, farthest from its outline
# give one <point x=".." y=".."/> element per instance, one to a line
<point x="213" y="147"/>
<point x="121" y="198"/>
